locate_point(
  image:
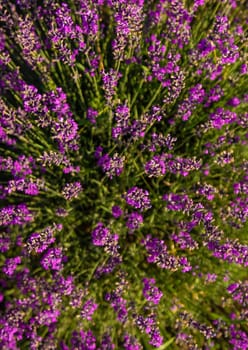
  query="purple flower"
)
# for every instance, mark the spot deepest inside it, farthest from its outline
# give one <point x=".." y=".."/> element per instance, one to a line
<point x="122" y="116"/>
<point x="119" y="305"/>
<point x="53" y="259"/>
<point x="234" y="101"/>
<point x="222" y="117"/>
<point x="156" y="339"/>
<point x="178" y="202"/>
<point x="88" y="310"/>
<point x="116" y="211"/>
<point x="131" y="343"/>
<point x="106" y="343"/>
<point x="100" y="235"/>
<point x="110" y="82"/>
<point x="15" y="215"/>
<point x="238" y="338"/>
<point x="207" y="191"/>
<point x="91" y="115"/>
<point x="244" y="69"/>
<point x="158" y="254"/>
<point x="47" y="317"/>
<point x="5" y="242"/>
<point x="10" y="265"/>
<point x="83" y="340"/>
<point x="150" y="291"/>
<point x="111" y="166"/>
<point x="72" y="190"/>
<point x="184" y="240"/>
<point x="239" y="292"/>
<point x="138" y="198"/>
<point x="134" y="221"/>
<point x="155" y="167"/>
<point x="39" y="242"/>
<point x="214" y="95"/>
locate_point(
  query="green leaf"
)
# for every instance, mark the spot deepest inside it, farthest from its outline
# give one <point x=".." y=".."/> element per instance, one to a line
<point x="165" y="345"/>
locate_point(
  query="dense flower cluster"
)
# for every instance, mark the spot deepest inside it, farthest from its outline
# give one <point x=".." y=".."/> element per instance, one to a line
<point x="123" y="174"/>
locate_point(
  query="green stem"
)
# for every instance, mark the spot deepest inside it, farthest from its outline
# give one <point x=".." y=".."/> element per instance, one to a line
<point x="110" y="127"/>
<point x="76" y="77"/>
<point x="153" y="99"/>
<point x="137" y="92"/>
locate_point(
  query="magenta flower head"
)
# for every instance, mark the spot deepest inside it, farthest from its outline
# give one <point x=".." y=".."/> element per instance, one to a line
<point x="100" y="235"/>
<point x="10" y="265"/>
<point x="138" y="198"/>
<point x="53" y="259"/>
<point x="88" y="309"/>
<point x="134" y="221"/>
<point x="72" y="190"/>
<point x="116" y="211"/>
<point x="91" y="115"/>
<point x="150" y="291"/>
<point x="235" y="101"/>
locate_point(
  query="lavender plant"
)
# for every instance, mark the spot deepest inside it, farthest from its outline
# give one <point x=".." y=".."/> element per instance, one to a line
<point x="124" y="174"/>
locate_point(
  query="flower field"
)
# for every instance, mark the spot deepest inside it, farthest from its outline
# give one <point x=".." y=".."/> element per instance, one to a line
<point x="123" y="174"/>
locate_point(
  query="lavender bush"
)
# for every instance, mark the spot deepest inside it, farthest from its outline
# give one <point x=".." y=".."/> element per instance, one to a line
<point x="124" y="174"/>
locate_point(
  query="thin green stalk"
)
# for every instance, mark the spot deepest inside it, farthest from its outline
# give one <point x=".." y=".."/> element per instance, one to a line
<point x="137" y="92"/>
<point x="110" y="127"/>
<point x="76" y="79"/>
<point x="153" y="99"/>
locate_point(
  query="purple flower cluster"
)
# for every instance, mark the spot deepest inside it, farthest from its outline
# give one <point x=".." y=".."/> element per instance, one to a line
<point x="231" y="251"/>
<point x="39" y="242"/>
<point x="116" y="299"/>
<point x="30" y="187"/>
<point x="53" y="259"/>
<point x="156" y="166"/>
<point x="134" y="221"/>
<point x="187" y="106"/>
<point x="207" y="190"/>
<point x="72" y="190"/>
<point x="111" y="166"/>
<point x="186" y="320"/>
<point x="178" y="202"/>
<point x="239" y="338"/>
<point x="102" y="237"/>
<point x="56" y="158"/>
<point x="158" y="141"/>
<point x="84" y="340"/>
<point x="129" y="20"/>
<point x="150" y="291"/>
<point x="116" y="211"/>
<point x="158" y="254"/>
<point x="88" y="310"/>
<point x="222" y="117"/>
<point x="149" y="326"/>
<point x="11" y="265"/>
<point x="110" y="82"/>
<point x="15" y="215"/>
<point x="136" y="129"/>
<point x="184" y="240"/>
<point x="122" y="116"/>
<point x="131" y="343"/>
<point x="160" y="164"/>
<point x="239" y="292"/>
<point x="91" y="115"/>
<point x="138" y="198"/>
<point x="22" y="166"/>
